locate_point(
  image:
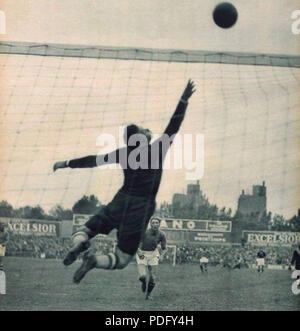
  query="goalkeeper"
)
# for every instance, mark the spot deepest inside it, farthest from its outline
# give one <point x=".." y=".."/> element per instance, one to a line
<point x="134" y="204"/>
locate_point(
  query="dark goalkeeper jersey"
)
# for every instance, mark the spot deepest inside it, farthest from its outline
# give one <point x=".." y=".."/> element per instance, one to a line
<point x="152" y="239"/>
<point x="143" y="180"/>
<point x="296" y="260"/>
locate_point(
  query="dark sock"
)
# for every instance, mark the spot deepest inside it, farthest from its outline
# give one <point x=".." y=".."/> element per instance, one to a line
<point x="143" y="280"/>
<point x="151" y="286"/>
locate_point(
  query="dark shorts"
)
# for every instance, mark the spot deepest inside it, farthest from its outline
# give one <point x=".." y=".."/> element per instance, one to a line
<point x="129" y="215"/>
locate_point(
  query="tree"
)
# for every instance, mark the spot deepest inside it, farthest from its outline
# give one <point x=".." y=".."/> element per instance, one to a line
<point x="6" y="210"/>
<point x="228" y="214"/>
<point x="265" y="221"/>
<point x="279" y="223"/>
<point x="222" y="214"/>
<point x="59" y="213"/>
<point x="87" y="205"/>
<point x="29" y="212"/>
<point x="295" y="223"/>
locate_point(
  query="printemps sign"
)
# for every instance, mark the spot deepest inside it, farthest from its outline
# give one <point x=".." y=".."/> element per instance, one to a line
<point x="196" y="225"/>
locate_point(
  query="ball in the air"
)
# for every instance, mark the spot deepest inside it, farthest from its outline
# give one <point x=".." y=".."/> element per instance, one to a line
<point x="225" y="15"/>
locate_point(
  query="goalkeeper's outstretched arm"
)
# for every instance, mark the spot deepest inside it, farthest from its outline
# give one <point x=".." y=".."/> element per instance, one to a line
<point x="90" y="161"/>
<point x="178" y="116"/>
<point x="84" y="162"/>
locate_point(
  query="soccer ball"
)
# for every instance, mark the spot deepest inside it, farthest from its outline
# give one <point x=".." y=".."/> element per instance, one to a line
<point x="225" y="15"/>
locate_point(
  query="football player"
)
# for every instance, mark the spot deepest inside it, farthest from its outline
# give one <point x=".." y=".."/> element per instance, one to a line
<point x="203" y="263"/>
<point x="261" y="255"/>
<point x="148" y="256"/>
<point x="134" y="204"/>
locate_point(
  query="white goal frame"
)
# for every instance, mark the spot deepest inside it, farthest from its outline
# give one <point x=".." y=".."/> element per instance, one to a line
<point x="174" y="247"/>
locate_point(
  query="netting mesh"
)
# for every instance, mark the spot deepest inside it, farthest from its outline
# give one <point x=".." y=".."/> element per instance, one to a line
<point x="54" y="108"/>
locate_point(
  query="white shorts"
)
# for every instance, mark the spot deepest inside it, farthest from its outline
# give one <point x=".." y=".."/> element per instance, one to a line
<point x="2" y="250"/>
<point x="260" y="262"/>
<point x="149" y="258"/>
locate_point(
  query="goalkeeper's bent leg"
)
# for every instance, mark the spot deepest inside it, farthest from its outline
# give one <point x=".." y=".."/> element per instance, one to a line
<point x="111" y="261"/>
<point x="80" y="243"/>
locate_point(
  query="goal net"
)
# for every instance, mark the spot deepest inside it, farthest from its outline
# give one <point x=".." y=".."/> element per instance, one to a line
<point x="56" y="100"/>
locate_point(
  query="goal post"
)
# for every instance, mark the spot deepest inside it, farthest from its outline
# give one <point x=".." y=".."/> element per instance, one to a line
<point x="172" y="251"/>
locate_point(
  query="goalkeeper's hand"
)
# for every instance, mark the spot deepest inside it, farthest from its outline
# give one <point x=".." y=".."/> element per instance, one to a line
<point x="59" y="165"/>
<point x="188" y="91"/>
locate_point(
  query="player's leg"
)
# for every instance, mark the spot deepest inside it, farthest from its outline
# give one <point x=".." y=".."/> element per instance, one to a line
<point x="152" y="280"/>
<point x="99" y="223"/>
<point x="131" y="227"/>
<point x="258" y="265"/>
<point x="128" y="244"/>
<point x="261" y="264"/>
<point x="80" y="243"/>
<point x="142" y="272"/>
<point x="201" y="268"/>
<point x="111" y="261"/>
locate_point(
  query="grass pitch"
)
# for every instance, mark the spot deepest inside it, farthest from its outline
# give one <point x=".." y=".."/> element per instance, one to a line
<point x="34" y="284"/>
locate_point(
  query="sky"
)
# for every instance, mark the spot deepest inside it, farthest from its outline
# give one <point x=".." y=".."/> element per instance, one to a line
<point x="56" y="108"/>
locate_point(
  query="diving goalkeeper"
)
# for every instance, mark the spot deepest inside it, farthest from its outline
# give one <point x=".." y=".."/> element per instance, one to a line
<point x="132" y="207"/>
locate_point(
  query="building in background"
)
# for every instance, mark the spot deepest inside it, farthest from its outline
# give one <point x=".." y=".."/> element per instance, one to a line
<point x="187" y="205"/>
<point x="255" y="203"/>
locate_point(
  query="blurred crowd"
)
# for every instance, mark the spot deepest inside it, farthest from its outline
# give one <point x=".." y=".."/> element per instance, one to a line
<point x="233" y="256"/>
<point x="36" y="246"/>
<point x="227" y="256"/>
<point x="48" y="247"/>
